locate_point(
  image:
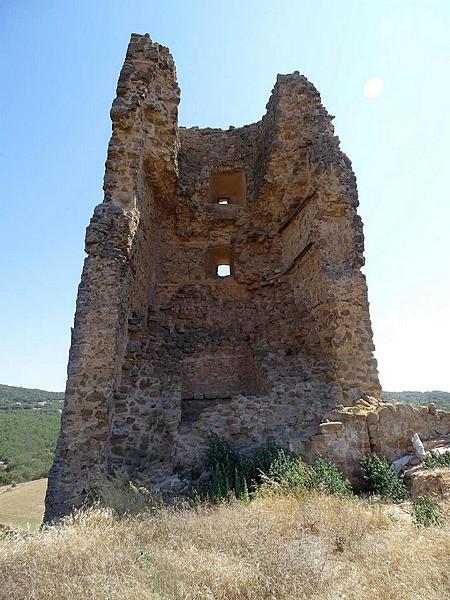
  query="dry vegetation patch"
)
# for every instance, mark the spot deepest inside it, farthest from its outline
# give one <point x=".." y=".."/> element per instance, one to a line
<point x="280" y="548"/>
<point x="23" y="505"/>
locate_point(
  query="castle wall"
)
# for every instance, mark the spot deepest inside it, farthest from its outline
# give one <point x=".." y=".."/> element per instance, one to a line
<point x="165" y="351"/>
<point x="117" y="269"/>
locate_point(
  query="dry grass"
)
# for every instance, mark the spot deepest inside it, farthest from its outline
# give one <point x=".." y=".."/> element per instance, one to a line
<point x="275" y="548"/>
<point x="23" y="504"/>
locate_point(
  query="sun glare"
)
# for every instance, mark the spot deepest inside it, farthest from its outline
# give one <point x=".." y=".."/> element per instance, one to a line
<point x="373" y="88"/>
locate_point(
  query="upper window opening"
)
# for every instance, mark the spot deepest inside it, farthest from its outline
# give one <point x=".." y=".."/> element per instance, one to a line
<point x="223" y="271"/>
<point x="228" y="188"/>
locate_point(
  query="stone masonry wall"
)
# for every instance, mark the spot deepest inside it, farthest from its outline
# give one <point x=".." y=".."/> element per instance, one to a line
<point x="349" y="433"/>
<point x="164" y="351"/>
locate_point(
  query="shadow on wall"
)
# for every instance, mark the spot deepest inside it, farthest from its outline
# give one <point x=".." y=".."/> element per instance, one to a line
<point x="211" y="377"/>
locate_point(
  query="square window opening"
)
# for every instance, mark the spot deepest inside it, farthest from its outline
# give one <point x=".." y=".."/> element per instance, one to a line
<point x="219" y="262"/>
<point x="227" y="187"/>
<point x="223" y="271"/>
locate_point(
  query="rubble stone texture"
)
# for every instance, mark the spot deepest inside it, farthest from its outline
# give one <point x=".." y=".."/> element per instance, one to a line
<point x="165" y="351"/>
<point x="348" y="433"/>
<point x="434" y="483"/>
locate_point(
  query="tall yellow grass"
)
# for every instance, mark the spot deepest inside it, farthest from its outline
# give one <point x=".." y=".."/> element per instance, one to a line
<point x="317" y="547"/>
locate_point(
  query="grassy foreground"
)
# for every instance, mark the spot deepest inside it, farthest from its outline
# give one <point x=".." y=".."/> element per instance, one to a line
<point x="311" y="546"/>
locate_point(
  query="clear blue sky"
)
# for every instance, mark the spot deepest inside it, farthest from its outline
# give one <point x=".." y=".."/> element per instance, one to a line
<point x="59" y="66"/>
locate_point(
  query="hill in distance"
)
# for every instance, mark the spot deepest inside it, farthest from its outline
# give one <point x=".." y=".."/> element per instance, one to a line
<point x="441" y="399"/>
<point x="29" y="426"/>
<point x="12" y="397"/>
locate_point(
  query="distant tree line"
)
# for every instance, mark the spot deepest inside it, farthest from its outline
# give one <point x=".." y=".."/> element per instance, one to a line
<point x="29" y="426"/>
<point x="19" y="397"/>
<point x="441" y="399"/>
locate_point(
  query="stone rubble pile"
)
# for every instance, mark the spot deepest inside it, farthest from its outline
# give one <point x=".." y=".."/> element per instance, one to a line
<point x="422" y="480"/>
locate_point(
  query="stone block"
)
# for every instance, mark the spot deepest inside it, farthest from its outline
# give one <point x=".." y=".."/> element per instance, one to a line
<point x="331" y="427"/>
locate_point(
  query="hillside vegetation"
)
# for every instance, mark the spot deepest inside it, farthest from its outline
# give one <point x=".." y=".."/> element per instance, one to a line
<point x="29" y="425"/>
<point x="441" y="399"/>
<point x="27" y="444"/>
<point x="12" y="397"/>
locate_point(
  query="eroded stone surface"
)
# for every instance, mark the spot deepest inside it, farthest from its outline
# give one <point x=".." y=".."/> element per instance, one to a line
<point x="164" y="351"/>
<point x="434" y="483"/>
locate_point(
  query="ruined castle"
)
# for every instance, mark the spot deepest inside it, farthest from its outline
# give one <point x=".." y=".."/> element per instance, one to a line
<point x="222" y="289"/>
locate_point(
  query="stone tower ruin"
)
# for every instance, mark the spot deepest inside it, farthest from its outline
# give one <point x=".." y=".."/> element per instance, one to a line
<point x="222" y="289"/>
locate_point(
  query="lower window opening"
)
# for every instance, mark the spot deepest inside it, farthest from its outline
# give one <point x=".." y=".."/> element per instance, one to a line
<point x="223" y="271"/>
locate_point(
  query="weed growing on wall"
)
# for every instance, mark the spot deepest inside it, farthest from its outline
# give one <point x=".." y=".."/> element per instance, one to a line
<point x="124" y="496"/>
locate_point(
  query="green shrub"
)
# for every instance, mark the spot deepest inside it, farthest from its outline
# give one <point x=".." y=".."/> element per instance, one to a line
<point x="287" y="473"/>
<point x="233" y="474"/>
<point x="228" y="471"/>
<point x="426" y="512"/>
<point x="381" y="480"/>
<point x="260" y="461"/>
<point x="327" y="478"/>
<point x="270" y="469"/>
<point x="434" y="460"/>
<point x="6" y="478"/>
